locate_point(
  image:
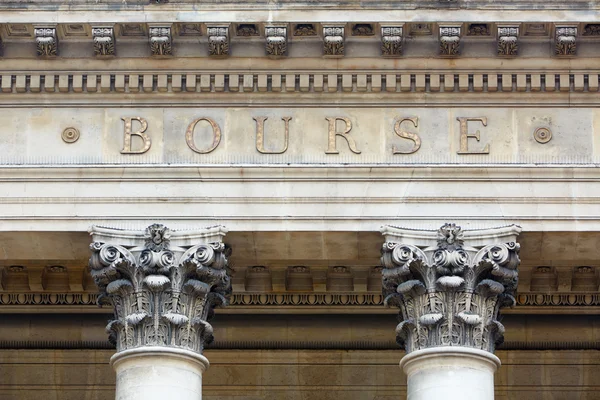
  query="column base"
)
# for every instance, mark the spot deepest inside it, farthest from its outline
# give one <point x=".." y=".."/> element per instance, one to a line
<point x="450" y="373"/>
<point x="159" y="373"/>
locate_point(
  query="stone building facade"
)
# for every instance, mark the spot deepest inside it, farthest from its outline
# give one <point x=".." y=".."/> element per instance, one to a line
<point x="285" y="200"/>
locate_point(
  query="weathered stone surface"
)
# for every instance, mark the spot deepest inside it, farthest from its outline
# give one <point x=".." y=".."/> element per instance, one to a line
<point x="163" y="285"/>
<point x="450" y="293"/>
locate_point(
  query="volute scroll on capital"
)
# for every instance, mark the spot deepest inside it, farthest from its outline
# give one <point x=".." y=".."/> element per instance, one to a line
<point x="450" y="288"/>
<point x="162" y="284"/>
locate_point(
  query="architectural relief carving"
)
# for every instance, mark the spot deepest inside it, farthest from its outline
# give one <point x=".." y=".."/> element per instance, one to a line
<point x="276" y="41"/>
<point x="247" y="30"/>
<point x="450" y="293"/>
<point x="508" y="41"/>
<point x="591" y="30"/>
<point x="218" y="41"/>
<point x="391" y="41"/>
<point x="160" y="41"/>
<point x="163" y="293"/>
<point x="478" y="30"/>
<point x="305" y="30"/>
<point x="333" y="41"/>
<point x="449" y="40"/>
<point x="362" y="30"/>
<point x="104" y="41"/>
<point x="46" y="42"/>
<point x="565" y="41"/>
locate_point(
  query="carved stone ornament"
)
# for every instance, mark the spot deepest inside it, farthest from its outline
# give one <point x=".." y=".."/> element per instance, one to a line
<point x="591" y="30"/>
<point x="508" y="41"/>
<point x="162" y="286"/>
<point x="276" y="41"/>
<point x="450" y="290"/>
<point x="565" y="41"/>
<point x="46" y="42"/>
<point x="218" y="41"/>
<point x="305" y="30"/>
<point x="104" y="41"/>
<point x="391" y="41"/>
<point x="449" y="41"/>
<point x="333" y="41"/>
<point x="160" y="41"/>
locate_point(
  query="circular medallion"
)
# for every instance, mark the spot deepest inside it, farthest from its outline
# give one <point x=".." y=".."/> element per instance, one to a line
<point x="70" y="135"/>
<point x="542" y="135"/>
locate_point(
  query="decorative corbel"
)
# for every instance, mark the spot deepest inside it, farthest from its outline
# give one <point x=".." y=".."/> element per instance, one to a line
<point x="450" y="40"/>
<point x="161" y="40"/>
<point x="508" y="40"/>
<point x="333" y="41"/>
<point x="218" y="41"/>
<point x="565" y="40"/>
<point x="46" y="42"/>
<point x="104" y="41"/>
<point x="391" y="41"/>
<point x="276" y="37"/>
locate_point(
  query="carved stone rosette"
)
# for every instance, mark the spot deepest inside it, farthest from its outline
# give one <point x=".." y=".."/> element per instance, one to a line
<point x="218" y="41"/>
<point x="333" y="41"/>
<point x="508" y="41"/>
<point x="104" y="41"/>
<point x="276" y="41"/>
<point x="450" y="289"/>
<point x="46" y="42"/>
<point x="449" y="40"/>
<point x="391" y="41"/>
<point x="565" y="42"/>
<point x="162" y="284"/>
<point x="160" y="41"/>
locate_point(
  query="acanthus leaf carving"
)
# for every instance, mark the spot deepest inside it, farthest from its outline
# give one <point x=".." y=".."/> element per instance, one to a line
<point x="449" y="293"/>
<point x="162" y="295"/>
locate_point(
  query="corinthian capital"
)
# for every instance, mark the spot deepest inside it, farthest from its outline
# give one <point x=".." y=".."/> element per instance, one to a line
<point x="450" y="284"/>
<point x="162" y="284"/>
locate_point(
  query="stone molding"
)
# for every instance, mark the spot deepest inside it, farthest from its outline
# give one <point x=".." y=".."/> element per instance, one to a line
<point x="249" y="302"/>
<point x="162" y="284"/>
<point x="450" y="284"/>
<point x="342" y="82"/>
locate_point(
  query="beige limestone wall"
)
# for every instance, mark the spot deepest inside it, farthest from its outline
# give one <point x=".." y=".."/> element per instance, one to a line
<point x="295" y="375"/>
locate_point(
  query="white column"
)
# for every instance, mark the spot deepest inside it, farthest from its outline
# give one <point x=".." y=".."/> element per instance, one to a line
<point x="449" y="285"/>
<point x="159" y="373"/>
<point x="163" y="286"/>
<point x="450" y="373"/>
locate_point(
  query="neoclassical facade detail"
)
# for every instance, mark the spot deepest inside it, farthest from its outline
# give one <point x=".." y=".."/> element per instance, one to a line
<point x="160" y="41"/>
<point x="391" y="41"/>
<point x="508" y="40"/>
<point x="46" y="42"/>
<point x="218" y="41"/>
<point x="276" y="38"/>
<point x="104" y="41"/>
<point x="450" y="40"/>
<point x="162" y="284"/>
<point x="565" y="41"/>
<point x="333" y="41"/>
<point x="450" y="290"/>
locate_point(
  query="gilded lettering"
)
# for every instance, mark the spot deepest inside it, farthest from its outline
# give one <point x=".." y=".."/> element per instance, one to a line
<point x="333" y="133"/>
<point x="189" y="135"/>
<point x="407" y="135"/>
<point x="140" y="133"/>
<point x="465" y="135"/>
<point x="260" y="135"/>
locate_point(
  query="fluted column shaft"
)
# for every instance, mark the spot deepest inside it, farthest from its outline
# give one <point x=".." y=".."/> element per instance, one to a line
<point x="163" y="286"/>
<point x="449" y="285"/>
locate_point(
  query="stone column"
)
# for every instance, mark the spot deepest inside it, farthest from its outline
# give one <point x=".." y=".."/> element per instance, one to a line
<point x="450" y="285"/>
<point x="163" y="286"/>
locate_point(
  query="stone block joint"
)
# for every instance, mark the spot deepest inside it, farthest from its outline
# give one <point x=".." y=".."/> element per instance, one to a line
<point x="163" y="289"/>
<point x="450" y="290"/>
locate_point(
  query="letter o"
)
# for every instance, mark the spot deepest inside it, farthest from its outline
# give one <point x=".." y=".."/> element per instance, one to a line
<point x="189" y="135"/>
